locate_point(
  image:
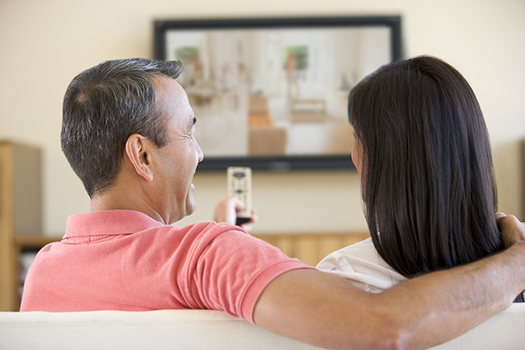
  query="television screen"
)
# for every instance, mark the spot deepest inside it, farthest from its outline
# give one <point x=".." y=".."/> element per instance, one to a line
<point x="272" y="93"/>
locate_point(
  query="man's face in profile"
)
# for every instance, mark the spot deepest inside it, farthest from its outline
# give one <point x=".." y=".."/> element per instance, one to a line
<point x="180" y="156"/>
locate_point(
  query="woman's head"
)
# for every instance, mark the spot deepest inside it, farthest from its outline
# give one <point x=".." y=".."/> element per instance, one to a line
<point x="427" y="171"/>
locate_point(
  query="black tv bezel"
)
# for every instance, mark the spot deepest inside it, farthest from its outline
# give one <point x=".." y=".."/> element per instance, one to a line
<point x="279" y="163"/>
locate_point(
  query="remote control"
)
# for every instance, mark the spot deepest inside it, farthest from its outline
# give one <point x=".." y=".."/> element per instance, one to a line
<point x="240" y="186"/>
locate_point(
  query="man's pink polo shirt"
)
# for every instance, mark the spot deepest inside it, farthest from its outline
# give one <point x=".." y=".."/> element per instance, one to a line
<point x="125" y="260"/>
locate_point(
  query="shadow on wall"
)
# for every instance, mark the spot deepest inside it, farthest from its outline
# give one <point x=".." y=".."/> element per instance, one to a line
<point x="522" y="177"/>
<point x="509" y="164"/>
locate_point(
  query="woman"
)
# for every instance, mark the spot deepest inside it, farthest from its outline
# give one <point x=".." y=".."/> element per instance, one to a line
<point x="422" y="151"/>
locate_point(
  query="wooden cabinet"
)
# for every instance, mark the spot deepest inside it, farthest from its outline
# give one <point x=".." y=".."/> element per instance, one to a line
<point x="20" y="215"/>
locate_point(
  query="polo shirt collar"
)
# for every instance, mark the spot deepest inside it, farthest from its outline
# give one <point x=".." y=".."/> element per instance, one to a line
<point x="109" y="222"/>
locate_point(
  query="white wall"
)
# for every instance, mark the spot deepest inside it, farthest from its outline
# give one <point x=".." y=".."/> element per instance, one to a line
<point x="44" y="44"/>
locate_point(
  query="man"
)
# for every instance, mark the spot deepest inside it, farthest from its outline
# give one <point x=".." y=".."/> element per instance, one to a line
<point x="128" y="134"/>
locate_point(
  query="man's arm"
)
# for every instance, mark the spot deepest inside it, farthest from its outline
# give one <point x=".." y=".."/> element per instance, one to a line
<point x="327" y="311"/>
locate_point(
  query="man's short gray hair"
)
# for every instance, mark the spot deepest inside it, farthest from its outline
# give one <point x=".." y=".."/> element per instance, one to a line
<point x="102" y="107"/>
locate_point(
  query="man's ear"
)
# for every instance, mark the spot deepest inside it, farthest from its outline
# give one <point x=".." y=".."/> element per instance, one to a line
<point x="137" y="149"/>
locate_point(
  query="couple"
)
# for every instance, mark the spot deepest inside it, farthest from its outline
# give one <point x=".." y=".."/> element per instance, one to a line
<point x="422" y="154"/>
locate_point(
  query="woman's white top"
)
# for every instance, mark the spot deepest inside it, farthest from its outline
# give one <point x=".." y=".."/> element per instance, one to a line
<point x="361" y="264"/>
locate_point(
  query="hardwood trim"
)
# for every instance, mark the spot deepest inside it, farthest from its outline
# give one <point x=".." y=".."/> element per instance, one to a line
<point x="34" y="241"/>
<point x="311" y="248"/>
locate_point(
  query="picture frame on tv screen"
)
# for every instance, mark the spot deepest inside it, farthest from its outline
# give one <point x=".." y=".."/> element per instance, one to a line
<point x="271" y="93"/>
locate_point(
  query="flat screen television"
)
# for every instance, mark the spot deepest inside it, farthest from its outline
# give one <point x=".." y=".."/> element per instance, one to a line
<point x="271" y="93"/>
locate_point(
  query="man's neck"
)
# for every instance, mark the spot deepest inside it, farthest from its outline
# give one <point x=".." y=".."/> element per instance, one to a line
<point x="113" y="199"/>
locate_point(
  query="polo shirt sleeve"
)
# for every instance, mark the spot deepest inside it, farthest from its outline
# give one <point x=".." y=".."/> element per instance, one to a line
<point x="233" y="269"/>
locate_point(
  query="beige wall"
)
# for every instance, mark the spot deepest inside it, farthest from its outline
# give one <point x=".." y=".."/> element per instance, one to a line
<point x="45" y="43"/>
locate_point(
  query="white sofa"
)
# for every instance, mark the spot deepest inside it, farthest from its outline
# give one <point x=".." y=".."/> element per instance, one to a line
<point x="200" y="329"/>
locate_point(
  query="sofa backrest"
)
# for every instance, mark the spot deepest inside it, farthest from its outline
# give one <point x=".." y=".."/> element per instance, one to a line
<point x="201" y="329"/>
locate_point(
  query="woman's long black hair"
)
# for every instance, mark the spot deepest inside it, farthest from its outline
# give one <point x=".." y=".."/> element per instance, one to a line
<point x="428" y="177"/>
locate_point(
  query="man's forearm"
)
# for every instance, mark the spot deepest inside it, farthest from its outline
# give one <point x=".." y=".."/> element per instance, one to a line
<point x="440" y="306"/>
<point x="325" y="310"/>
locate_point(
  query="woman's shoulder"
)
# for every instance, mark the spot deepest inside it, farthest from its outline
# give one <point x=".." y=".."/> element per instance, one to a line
<point x="362" y="264"/>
